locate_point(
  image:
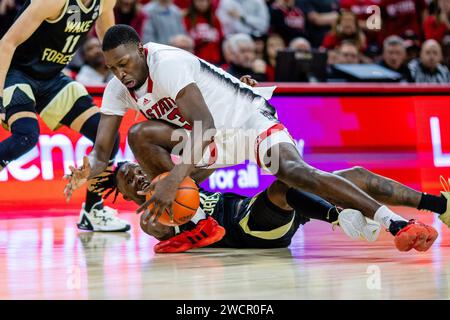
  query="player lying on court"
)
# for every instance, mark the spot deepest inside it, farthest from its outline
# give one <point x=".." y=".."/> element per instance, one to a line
<point x="176" y="87"/>
<point x="271" y="218"/>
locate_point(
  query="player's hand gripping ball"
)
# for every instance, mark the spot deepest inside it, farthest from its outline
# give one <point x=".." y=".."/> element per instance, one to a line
<point x="186" y="202"/>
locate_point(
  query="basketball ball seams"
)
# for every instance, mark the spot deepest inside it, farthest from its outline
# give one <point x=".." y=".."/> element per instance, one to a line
<point x="183" y="205"/>
<point x="187" y="188"/>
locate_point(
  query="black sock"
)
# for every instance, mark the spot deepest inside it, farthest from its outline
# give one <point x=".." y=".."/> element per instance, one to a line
<point x="396" y="226"/>
<point x="433" y="203"/>
<point x="91" y="199"/>
<point x="311" y="206"/>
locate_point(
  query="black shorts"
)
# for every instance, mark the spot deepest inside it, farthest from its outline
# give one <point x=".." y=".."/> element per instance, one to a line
<point x="236" y="211"/>
<point x="58" y="101"/>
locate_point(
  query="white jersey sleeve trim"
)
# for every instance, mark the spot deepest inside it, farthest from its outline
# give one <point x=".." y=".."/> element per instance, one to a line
<point x="116" y="98"/>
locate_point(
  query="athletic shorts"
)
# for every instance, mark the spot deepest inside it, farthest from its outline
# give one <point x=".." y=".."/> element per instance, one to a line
<point x="234" y="215"/>
<point x="58" y="101"/>
<point x="251" y="142"/>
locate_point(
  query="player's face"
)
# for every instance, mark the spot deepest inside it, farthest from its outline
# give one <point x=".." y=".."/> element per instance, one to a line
<point x="130" y="180"/>
<point x="128" y="64"/>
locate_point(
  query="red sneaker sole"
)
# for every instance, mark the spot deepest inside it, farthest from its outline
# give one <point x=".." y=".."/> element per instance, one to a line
<point x="169" y="249"/>
<point x="218" y="235"/>
<point x="415" y="236"/>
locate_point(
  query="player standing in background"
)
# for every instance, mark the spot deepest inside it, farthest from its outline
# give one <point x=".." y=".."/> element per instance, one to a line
<point x="34" y="51"/>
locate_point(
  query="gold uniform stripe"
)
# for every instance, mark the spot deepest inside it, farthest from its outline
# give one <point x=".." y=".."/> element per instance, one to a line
<point x="8" y="92"/>
<point x="79" y="121"/>
<point x="63" y="12"/>
<point x="21" y="115"/>
<point x="267" y="235"/>
<point x="61" y="104"/>
<point x="83" y="7"/>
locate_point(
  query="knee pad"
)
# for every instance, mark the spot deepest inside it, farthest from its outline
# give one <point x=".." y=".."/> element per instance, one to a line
<point x="26" y="131"/>
<point x="25" y="135"/>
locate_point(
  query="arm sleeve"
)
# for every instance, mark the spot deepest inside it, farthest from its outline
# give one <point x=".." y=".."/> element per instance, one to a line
<point x="175" y="71"/>
<point x="115" y="99"/>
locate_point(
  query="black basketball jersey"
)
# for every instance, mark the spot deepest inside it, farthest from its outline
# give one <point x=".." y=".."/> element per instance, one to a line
<point x="52" y="46"/>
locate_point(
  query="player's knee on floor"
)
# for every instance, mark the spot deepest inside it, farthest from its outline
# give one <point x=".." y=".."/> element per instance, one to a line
<point x="25" y="136"/>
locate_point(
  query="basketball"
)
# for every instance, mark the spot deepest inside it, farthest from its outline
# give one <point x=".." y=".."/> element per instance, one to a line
<point x="185" y="205"/>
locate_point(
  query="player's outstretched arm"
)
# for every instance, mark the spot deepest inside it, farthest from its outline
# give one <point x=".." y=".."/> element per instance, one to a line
<point x="98" y="159"/>
<point x="193" y="108"/>
<point x="106" y="19"/>
<point x="23" y="28"/>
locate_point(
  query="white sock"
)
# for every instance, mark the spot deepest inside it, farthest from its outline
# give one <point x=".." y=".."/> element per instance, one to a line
<point x="384" y="216"/>
<point x="199" y="215"/>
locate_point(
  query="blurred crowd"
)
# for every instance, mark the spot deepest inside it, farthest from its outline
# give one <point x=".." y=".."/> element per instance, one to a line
<point x="410" y="37"/>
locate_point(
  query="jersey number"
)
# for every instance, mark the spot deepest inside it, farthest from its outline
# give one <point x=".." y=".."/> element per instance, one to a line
<point x="71" y="42"/>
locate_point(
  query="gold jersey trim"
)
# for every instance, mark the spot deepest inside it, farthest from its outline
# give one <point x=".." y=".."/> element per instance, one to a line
<point x="63" y="13"/>
<point x="83" y="7"/>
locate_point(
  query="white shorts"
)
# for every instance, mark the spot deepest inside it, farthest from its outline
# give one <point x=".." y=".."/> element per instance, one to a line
<point x="235" y="146"/>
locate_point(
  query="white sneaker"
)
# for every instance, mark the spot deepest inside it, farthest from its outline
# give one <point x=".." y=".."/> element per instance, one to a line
<point x="357" y="227"/>
<point x="101" y="220"/>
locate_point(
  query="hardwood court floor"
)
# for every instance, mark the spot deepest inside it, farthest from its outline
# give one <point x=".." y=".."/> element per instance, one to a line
<point x="48" y="258"/>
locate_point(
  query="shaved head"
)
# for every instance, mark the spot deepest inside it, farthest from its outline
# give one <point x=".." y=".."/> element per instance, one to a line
<point x="431" y="54"/>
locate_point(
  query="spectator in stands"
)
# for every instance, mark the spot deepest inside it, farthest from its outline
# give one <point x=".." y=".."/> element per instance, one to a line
<point x="428" y="68"/>
<point x="321" y="15"/>
<point x="348" y="53"/>
<point x="394" y="57"/>
<point x="260" y="45"/>
<point x="446" y="51"/>
<point x="287" y="19"/>
<point x="274" y="44"/>
<point x="368" y="22"/>
<point x="437" y="25"/>
<point x="94" y="72"/>
<point x="243" y="58"/>
<point x="8" y="11"/>
<point x="301" y="45"/>
<point x="164" y="21"/>
<point x="183" y="41"/>
<point x="360" y="8"/>
<point x="227" y="53"/>
<point x="184" y="5"/>
<point x="204" y="27"/>
<point x="402" y="16"/>
<point x="413" y="44"/>
<point x="346" y="28"/>
<point x="244" y="16"/>
<point x="129" y="12"/>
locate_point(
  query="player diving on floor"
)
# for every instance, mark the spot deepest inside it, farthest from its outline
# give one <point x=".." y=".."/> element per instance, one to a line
<point x="171" y="85"/>
<point x="270" y="218"/>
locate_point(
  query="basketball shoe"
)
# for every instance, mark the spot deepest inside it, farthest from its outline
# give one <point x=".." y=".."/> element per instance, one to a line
<point x="101" y="220"/>
<point x="412" y="234"/>
<point x="357" y="227"/>
<point x="206" y="232"/>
